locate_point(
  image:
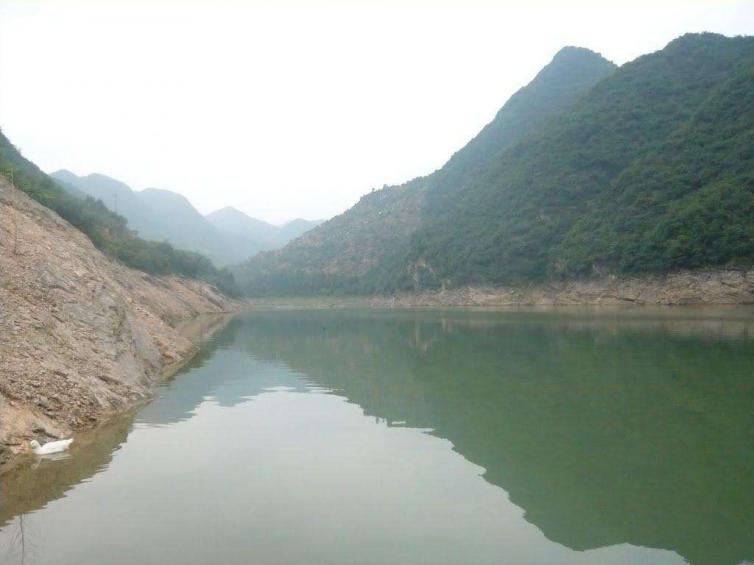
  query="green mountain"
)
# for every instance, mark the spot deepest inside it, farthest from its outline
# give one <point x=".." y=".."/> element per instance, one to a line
<point x="108" y="231"/>
<point x="650" y="171"/>
<point x="571" y="73"/>
<point x="163" y="215"/>
<point x="362" y="249"/>
<point x="586" y="171"/>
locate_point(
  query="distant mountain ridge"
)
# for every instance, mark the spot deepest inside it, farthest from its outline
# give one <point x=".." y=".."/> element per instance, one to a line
<point x="107" y="231"/>
<point x="225" y="237"/>
<point x="232" y="220"/>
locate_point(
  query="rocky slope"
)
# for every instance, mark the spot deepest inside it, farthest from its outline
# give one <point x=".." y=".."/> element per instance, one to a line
<point x="344" y="252"/>
<point x="80" y="335"/>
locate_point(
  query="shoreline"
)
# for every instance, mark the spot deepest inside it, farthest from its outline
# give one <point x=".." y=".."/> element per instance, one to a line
<point x="688" y="292"/>
<point x="83" y="336"/>
<point x="199" y="330"/>
<point x="723" y="287"/>
<point x="685" y="291"/>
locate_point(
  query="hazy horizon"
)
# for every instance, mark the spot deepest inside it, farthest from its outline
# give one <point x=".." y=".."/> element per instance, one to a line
<point x="208" y="213"/>
<point x="219" y="103"/>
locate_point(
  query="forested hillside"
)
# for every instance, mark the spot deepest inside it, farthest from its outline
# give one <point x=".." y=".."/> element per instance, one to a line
<point x="688" y="204"/>
<point x="108" y="231"/>
<point x="586" y="171"/>
<point x="363" y="249"/>
<point x="650" y="171"/>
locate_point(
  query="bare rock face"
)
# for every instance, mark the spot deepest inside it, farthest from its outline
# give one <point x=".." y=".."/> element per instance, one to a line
<point x="674" y="289"/>
<point x="81" y="336"/>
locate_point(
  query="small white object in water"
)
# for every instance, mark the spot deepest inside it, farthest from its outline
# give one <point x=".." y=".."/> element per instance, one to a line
<point x="50" y="447"/>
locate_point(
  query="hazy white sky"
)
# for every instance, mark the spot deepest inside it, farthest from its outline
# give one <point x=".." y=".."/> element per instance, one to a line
<point x="287" y="109"/>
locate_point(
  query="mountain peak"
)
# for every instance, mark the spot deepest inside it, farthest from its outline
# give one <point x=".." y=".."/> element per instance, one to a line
<point x="233" y="220"/>
<point x="63" y="173"/>
<point x="572" y="59"/>
<point x="691" y="38"/>
<point x="95" y="185"/>
<point x="227" y="211"/>
<point x="164" y="192"/>
<point x="576" y="51"/>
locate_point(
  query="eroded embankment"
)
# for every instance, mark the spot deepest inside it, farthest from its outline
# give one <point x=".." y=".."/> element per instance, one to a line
<point x="675" y="289"/>
<point x="686" y="288"/>
<point x="81" y="336"/>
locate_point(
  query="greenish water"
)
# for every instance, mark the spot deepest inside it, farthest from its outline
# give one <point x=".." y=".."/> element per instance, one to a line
<point x="360" y="437"/>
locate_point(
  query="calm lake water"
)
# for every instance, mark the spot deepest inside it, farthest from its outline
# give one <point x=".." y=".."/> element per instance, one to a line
<point x="379" y="437"/>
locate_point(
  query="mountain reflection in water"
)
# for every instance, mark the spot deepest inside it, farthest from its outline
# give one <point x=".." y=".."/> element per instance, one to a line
<point x="604" y="429"/>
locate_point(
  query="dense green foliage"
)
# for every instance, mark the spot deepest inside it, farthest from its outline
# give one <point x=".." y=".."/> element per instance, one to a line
<point x="687" y="205"/>
<point x="556" y="88"/>
<point x="108" y="231"/>
<point x="650" y="171"/>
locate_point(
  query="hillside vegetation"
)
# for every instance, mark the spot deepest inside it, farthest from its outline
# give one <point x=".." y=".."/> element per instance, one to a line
<point x="650" y="171"/>
<point x="108" y="231"/>
<point x="363" y="249"/>
<point x="586" y="171"/>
